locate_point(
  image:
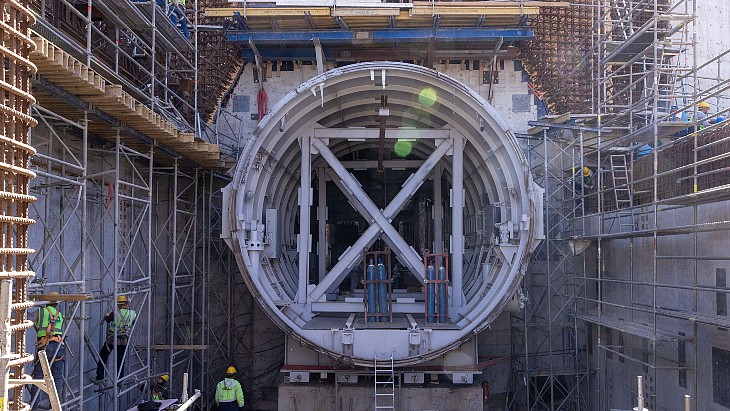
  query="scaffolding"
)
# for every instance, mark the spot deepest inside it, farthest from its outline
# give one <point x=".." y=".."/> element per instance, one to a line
<point x="651" y="162"/>
<point x="660" y="168"/>
<point x="549" y="366"/>
<point x="121" y="173"/>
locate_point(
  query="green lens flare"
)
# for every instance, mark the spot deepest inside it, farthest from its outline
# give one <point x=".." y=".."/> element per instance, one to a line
<point x="427" y="97"/>
<point x="403" y="148"/>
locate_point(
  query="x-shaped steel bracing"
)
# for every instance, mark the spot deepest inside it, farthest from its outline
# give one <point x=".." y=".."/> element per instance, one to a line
<point x="380" y="219"/>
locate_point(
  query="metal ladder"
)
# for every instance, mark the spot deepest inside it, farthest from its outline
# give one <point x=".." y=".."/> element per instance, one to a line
<point x="620" y="176"/>
<point x="384" y="384"/>
<point x="622" y="192"/>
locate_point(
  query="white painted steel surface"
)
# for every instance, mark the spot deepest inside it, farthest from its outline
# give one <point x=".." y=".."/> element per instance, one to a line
<point x="324" y="117"/>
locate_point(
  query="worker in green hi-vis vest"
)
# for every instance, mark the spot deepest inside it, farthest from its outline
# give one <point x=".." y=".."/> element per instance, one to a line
<point x="122" y="322"/>
<point x="48" y="325"/>
<point x="228" y="393"/>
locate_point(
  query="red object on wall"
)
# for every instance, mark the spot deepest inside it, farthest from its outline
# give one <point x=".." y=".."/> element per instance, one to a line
<point x="262" y="99"/>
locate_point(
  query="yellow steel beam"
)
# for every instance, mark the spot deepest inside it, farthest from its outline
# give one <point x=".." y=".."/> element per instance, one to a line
<point x="267" y="11"/>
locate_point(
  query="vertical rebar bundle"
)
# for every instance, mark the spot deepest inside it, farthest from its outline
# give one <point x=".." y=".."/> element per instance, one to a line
<point x="559" y="58"/>
<point x="14" y="193"/>
<point x="220" y="61"/>
<point x="676" y="166"/>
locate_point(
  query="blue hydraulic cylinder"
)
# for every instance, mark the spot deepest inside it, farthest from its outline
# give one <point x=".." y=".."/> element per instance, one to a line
<point x="442" y="295"/>
<point x="382" y="290"/>
<point x="372" y="303"/>
<point x="431" y="294"/>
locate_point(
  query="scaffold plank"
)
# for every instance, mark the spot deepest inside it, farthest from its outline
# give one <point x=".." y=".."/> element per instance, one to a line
<point x="267" y="11"/>
<point x="76" y="78"/>
<point x="61" y="297"/>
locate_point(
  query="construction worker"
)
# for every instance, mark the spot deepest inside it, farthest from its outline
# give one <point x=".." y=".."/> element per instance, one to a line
<point x="159" y="390"/>
<point x="702" y="109"/>
<point x="176" y="9"/>
<point x="584" y="179"/>
<point x="48" y="326"/>
<point x="675" y="114"/>
<point x="228" y="393"/>
<point x="122" y="323"/>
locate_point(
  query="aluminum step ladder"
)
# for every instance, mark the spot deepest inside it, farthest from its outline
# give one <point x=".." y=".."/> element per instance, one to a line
<point x="622" y="192"/>
<point x="384" y="384"/>
<point x="620" y="176"/>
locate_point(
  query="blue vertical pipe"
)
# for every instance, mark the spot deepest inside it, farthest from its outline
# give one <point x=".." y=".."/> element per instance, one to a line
<point x="371" y="292"/>
<point x="431" y="294"/>
<point x="442" y="294"/>
<point x="382" y="291"/>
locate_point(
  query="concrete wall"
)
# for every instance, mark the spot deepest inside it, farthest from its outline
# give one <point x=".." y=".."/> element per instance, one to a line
<point x="632" y="260"/>
<point x="712" y="18"/>
<point x="710" y="26"/>
<point x="511" y="98"/>
<point x="324" y="397"/>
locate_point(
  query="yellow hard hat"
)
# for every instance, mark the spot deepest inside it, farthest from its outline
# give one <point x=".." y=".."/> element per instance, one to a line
<point x="53" y="293"/>
<point x="122" y="299"/>
<point x="586" y="171"/>
<point x="165" y="377"/>
<point x="703" y="105"/>
<point x="231" y="370"/>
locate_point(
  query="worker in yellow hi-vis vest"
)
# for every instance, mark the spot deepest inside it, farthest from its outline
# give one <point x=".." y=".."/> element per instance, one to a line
<point x="228" y="393"/>
<point x="48" y="324"/>
<point x="122" y="322"/>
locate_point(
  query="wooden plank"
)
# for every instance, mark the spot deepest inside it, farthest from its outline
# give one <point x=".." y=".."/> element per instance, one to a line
<point x="186" y="137"/>
<point x="527" y="3"/>
<point x="267" y="11"/>
<point x="61" y="297"/>
<point x="364" y="12"/>
<point x="466" y="9"/>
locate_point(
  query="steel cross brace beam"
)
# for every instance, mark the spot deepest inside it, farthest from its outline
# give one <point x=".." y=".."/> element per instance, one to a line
<point x="381" y="219"/>
<point x="370" y="212"/>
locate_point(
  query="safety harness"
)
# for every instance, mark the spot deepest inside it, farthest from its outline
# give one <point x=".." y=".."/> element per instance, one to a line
<point x="50" y="329"/>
